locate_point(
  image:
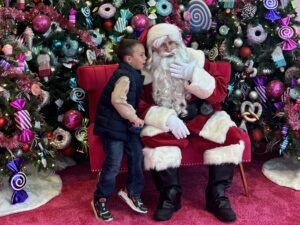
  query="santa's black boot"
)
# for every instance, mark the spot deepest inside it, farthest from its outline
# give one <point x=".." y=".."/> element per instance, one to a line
<point x="167" y="183"/>
<point x="220" y="178"/>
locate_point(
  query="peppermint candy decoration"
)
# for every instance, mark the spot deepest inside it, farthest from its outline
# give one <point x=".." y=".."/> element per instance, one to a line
<point x="18" y="181"/>
<point x="286" y="32"/>
<point x="77" y="94"/>
<point x="86" y="11"/>
<point x="270" y="4"/>
<point x="22" y="119"/>
<point x="200" y="15"/>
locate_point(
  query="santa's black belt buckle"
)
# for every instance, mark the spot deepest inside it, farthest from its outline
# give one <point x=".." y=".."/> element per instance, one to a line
<point x="206" y="109"/>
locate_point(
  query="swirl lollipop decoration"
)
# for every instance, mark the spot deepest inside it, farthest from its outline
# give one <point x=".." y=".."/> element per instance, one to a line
<point x="17" y="180"/>
<point x="286" y="33"/>
<point x="272" y="14"/>
<point x="200" y="15"/>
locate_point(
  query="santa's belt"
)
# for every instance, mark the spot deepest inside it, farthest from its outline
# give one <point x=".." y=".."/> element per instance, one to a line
<point x="197" y="107"/>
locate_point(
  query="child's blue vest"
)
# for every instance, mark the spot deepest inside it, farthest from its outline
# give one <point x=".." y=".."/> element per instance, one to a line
<point x="108" y="121"/>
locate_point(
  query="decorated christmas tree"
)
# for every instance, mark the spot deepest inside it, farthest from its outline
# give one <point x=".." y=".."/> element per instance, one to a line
<point x="44" y="42"/>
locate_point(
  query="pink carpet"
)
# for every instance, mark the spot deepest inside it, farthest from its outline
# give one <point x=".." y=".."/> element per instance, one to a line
<point x="269" y="204"/>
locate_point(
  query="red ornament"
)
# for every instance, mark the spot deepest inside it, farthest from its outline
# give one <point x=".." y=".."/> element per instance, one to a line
<point x="245" y="52"/>
<point x="108" y="25"/>
<point x="2" y="122"/>
<point x="256" y="135"/>
<point x="72" y="119"/>
<point x="26" y="148"/>
<point x="68" y="151"/>
<point x="49" y="135"/>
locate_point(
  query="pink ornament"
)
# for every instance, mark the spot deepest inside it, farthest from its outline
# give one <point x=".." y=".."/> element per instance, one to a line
<point x="41" y="23"/>
<point x="140" y="22"/>
<point x="26" y="136"/>
<point x="72" y="119"/>
<point x="275" y="89"/>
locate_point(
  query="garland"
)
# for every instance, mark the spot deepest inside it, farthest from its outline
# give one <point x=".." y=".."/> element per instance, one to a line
<point x="28" y="16"/>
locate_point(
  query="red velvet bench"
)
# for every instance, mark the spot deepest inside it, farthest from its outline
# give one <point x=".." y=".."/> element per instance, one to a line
<point x="93" y="79"/>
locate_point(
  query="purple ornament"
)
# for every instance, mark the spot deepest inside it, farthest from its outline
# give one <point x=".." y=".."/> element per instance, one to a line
<point x="275" y="89"/>
<point x="72" y="119"/>
<point x="41" y="23"/>
<point x="140" y="21"/>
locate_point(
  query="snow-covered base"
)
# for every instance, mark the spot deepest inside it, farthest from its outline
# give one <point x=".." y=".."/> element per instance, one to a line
<point x="284" y="171"/>
<point x="41" y="187"/>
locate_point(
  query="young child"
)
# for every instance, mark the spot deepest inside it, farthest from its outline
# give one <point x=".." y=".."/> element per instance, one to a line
<point x="116" y="121"/>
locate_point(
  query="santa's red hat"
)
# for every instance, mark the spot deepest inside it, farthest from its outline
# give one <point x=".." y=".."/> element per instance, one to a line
<point x="158" y="31"/>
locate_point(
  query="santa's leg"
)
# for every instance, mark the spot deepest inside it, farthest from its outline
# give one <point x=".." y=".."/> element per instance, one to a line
<point x="221" y="161"/>
<point x="163" y="163"/>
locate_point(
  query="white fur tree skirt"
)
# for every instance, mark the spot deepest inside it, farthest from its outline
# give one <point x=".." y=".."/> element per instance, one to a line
<point x="283" y="171"/>
<point x="41" y="187"/>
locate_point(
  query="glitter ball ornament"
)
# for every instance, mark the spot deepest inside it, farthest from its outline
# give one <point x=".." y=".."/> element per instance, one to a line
<point x="223" y="30"/>
<point x="238" y="93"/>
<point x="140" y="21"/>
<point x="41" y="23"/>
<point x="238" y="42"/>
<point x="72" y="119"/>
<point x="2" y="122"/>
<point x="275" y="89"/>
<point x="26" y="148"/>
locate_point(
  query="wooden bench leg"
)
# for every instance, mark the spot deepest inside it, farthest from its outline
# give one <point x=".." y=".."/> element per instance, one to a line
<point x="244" y="179"/>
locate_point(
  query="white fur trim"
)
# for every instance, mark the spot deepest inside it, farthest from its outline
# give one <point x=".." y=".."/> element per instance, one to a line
<point x="216" y="128"/>
<point x="161" y="158"/>
<point x="150" y="131"/>
<point x="148" y="77"/>
<point x="203" y="84"/>
<point x="226" y="154"/>
<point x="157" y="116"/>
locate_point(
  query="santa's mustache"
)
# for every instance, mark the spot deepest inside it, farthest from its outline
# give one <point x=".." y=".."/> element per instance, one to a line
<point x="167" y="54"/>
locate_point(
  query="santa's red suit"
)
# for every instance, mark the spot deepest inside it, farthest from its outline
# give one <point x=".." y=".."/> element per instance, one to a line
<point x="216" y="134"/>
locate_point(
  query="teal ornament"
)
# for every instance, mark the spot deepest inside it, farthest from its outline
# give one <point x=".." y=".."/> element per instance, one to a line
<point x="70" y="47"/>
<point x="73" y="82"/>
<point x="121" y="23"/>
<point x="164" y="7"/>
<point x="96" y="37"/>
<point x="56" y="44"/>
<point x="115" y="39"/>
<point x="223" y="30"/>
<point x="294" y="93"/>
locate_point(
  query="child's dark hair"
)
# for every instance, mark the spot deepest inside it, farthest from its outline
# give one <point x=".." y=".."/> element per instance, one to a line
<point x="125" y="47"/>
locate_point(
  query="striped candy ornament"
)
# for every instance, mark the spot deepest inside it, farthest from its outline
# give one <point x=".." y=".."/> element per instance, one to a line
<point x="22" y="119"/>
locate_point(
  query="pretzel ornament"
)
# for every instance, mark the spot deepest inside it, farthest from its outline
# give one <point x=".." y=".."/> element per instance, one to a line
<point x="250" y="112"/>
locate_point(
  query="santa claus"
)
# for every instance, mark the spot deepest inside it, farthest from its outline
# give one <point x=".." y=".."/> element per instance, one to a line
<point x="181" y="105"/>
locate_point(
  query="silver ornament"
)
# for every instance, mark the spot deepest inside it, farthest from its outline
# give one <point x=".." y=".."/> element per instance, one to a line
<point x="253" y="95"/>
<point x="129" y="29"/>
<point x="238" y="93"/>
<point x="266" y="71"/>
<point x="238" y="42"/>
<point x="19" y="153"/>
<point x="181" y="7"/>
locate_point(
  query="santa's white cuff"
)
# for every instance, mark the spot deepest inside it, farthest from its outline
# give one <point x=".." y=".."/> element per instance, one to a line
<point x="225" y="154"/>
<point x="162" y="158"/>
<point x="157" y="116"/>
<point x="202" y="85"/>
<point x="216" y="128"/>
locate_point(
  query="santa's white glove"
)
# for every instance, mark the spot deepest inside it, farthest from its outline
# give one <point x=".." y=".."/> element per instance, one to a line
<point x="182" y="70"/>
<point x="177" y="127"/>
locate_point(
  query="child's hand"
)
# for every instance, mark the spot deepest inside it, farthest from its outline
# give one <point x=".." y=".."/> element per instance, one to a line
<point x="139" y="123"/>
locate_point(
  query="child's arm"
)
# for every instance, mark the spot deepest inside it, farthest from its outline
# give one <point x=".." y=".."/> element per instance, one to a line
<point x="119" y="101"/>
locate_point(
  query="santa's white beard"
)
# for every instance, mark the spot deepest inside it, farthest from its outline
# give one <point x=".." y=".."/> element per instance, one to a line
<point x="167" y="90"/>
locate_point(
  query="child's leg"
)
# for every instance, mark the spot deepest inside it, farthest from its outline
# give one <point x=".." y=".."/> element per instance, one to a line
<point x="113" y="156"/>
<point x="135" y="179"/>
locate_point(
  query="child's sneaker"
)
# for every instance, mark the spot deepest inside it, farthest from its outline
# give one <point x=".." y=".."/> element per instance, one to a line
<point x="100" y="210"/>
<point x="133" y="202"/>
